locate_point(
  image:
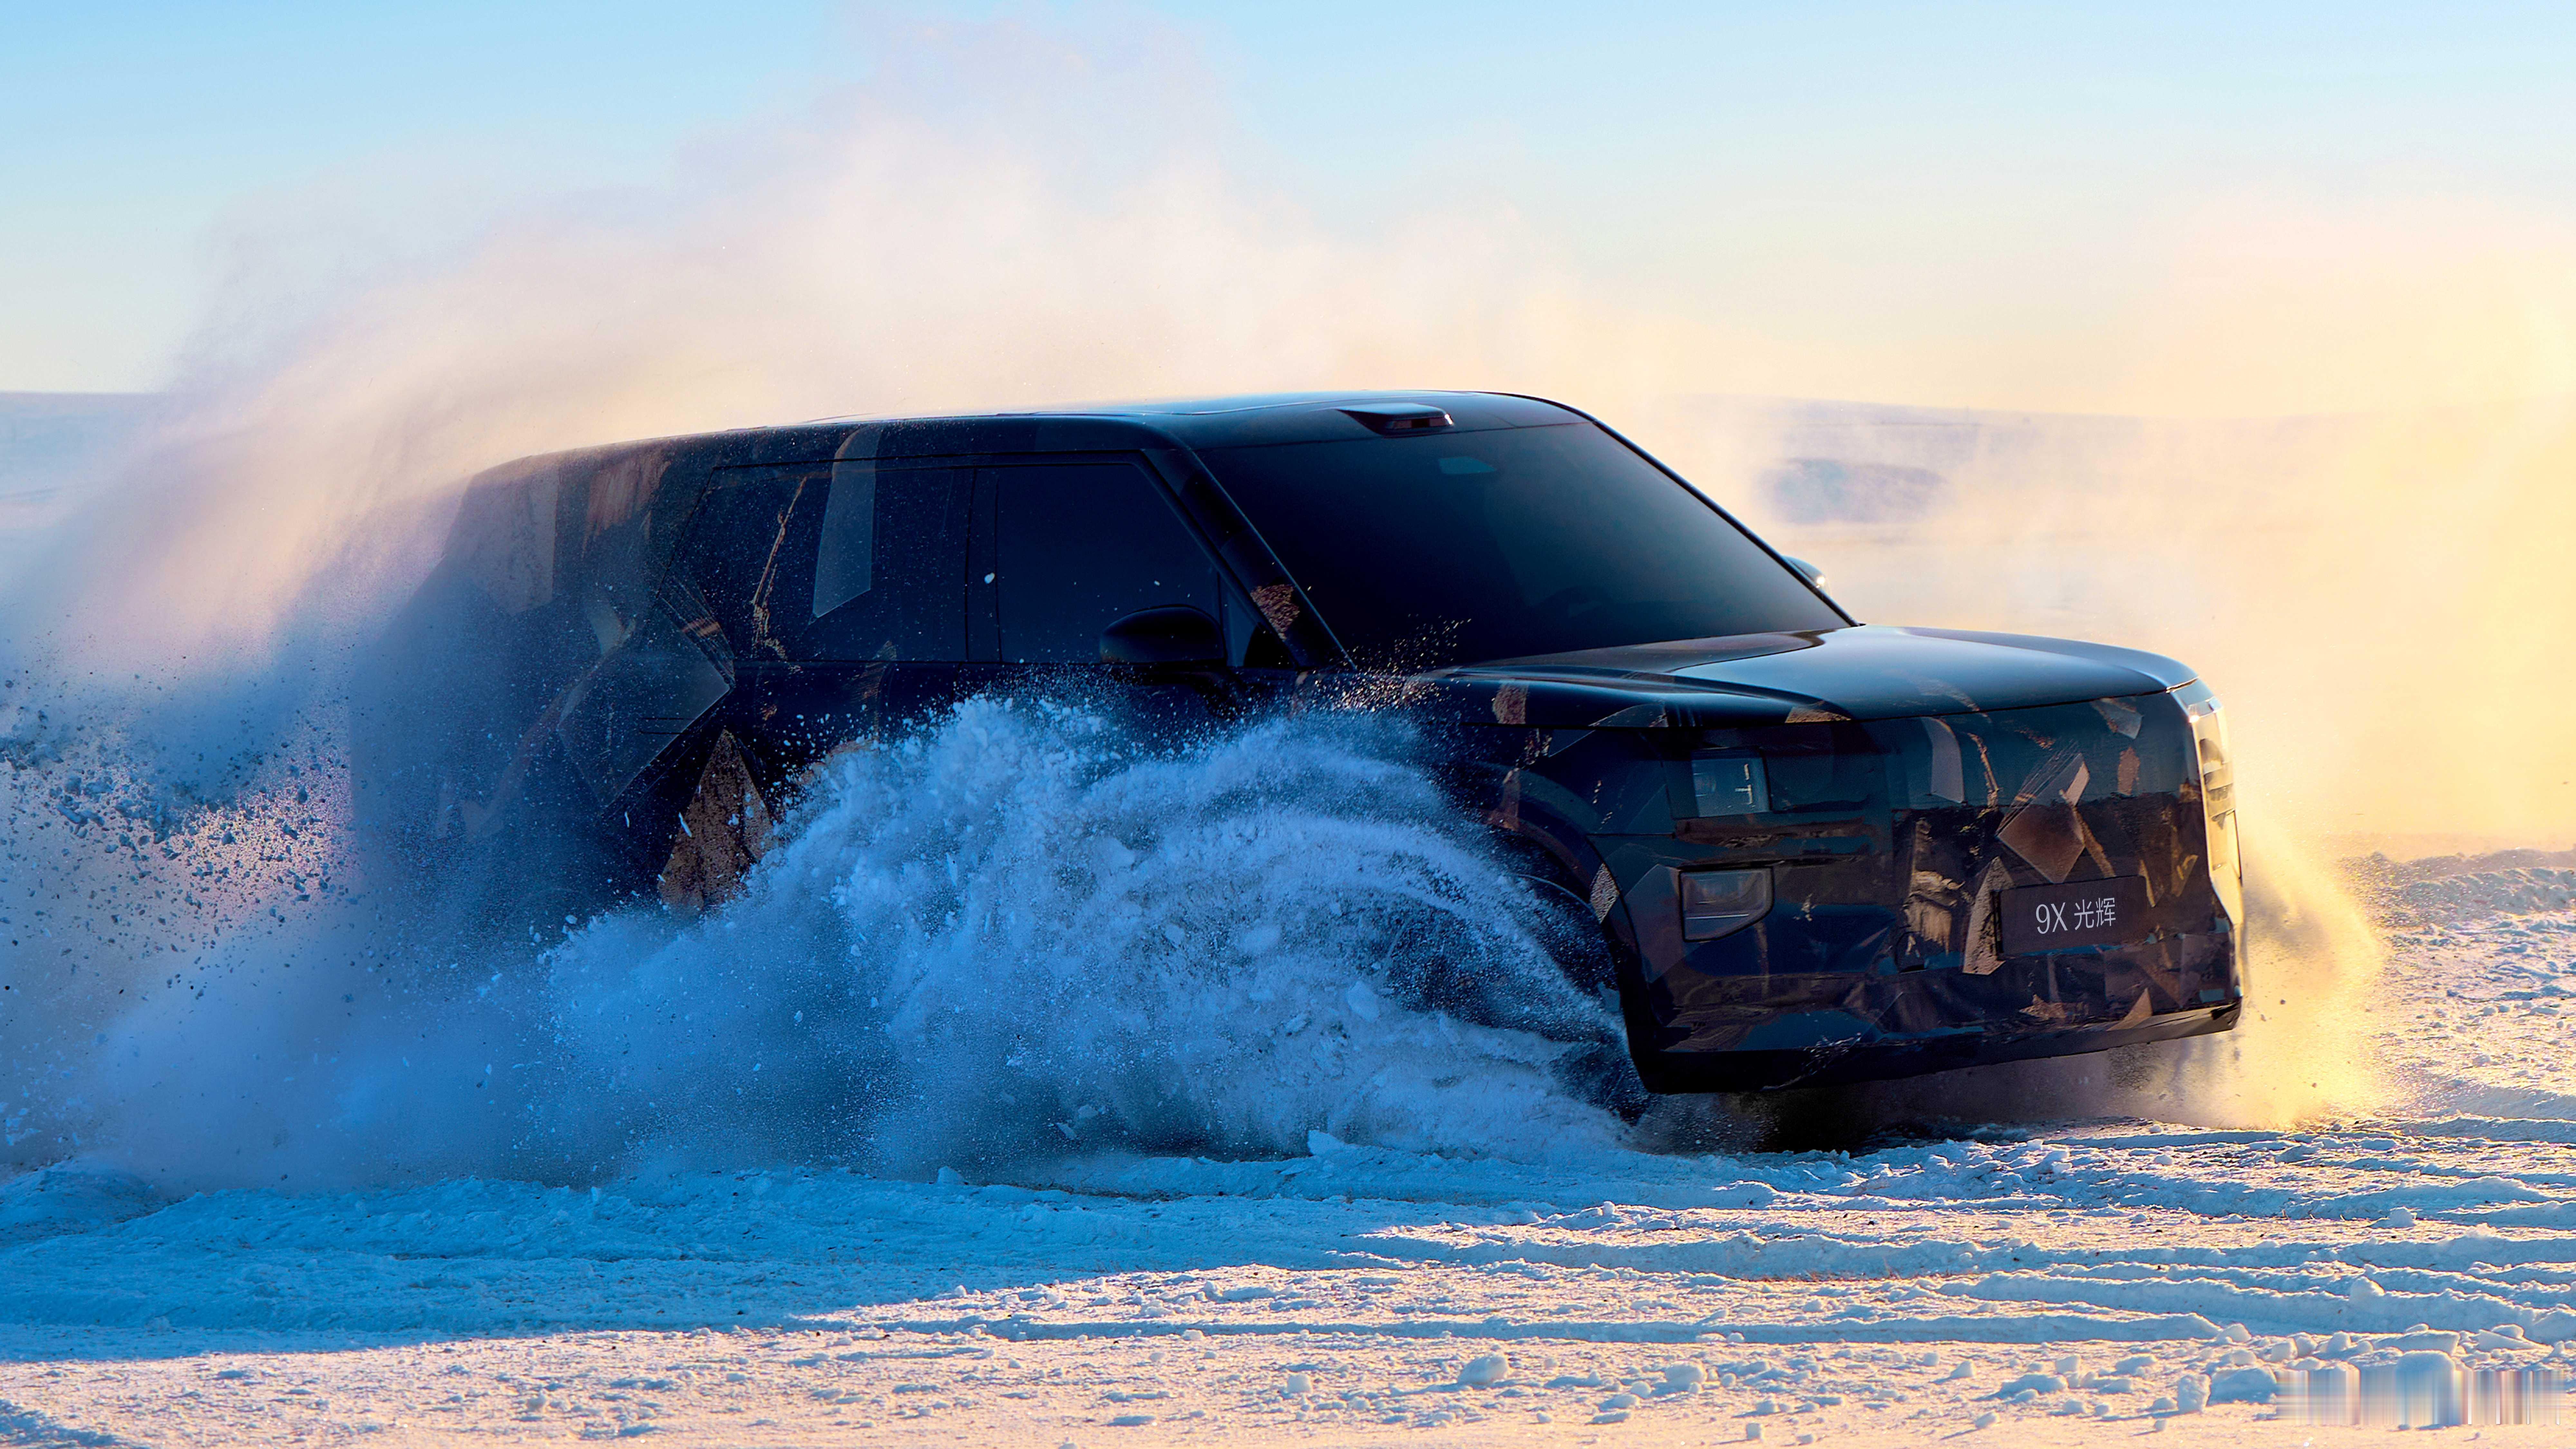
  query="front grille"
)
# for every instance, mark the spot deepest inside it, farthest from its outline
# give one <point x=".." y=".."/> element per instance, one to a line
<point x="1893" y="844"/>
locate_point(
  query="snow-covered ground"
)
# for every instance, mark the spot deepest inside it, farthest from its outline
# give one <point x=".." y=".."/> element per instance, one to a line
<point x="2031" y="1285"/>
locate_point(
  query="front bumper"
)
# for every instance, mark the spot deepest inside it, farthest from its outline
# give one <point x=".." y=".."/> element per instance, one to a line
<point x="1840" y="1034"/>
<point x="1891" y="847"/>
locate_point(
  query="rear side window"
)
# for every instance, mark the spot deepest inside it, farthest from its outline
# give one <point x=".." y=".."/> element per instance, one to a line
<point x="825" y="562"/>
<point x="890" y="566"/>
<point x="1078" y="546"/>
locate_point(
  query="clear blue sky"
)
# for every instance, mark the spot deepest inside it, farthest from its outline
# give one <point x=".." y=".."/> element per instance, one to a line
<point x="1908" y="169"/>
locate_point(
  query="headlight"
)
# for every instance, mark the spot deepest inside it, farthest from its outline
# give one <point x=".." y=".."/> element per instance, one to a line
<point x="2218" y="800"/>
<point x="1721" y="902"/>
<point x="1729" y="785"/>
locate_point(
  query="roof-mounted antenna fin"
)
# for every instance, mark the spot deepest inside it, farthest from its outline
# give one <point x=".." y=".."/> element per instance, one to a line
<point x="1399" y="418"/>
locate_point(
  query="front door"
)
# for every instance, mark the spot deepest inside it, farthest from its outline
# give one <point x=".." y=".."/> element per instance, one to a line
<point x="1067" y="552"/>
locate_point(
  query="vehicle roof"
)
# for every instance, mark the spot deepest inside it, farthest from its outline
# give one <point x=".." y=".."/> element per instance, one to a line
<point x="1212" y="422"/>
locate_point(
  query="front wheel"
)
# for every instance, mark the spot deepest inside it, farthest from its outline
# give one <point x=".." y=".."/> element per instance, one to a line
<point x="1601" y="1070"/>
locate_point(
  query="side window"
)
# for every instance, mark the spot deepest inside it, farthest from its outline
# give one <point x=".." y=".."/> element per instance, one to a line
<point x="752" y="525"/>
<point x="1079" y="546"/>
<point x="889" y="577"/>
<point x="832" y="562"/>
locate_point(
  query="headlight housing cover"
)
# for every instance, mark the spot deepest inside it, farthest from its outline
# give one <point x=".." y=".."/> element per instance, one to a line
<point x="2217" y="796"/>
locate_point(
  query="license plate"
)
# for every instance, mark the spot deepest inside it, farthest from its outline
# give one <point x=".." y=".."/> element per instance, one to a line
<point x="2080" y="913"/>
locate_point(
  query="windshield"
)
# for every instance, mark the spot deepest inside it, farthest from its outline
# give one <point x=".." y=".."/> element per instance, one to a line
<point x="1454" y="548"/>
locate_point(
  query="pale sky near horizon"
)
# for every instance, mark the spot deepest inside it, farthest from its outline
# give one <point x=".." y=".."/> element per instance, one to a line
<point x="1989" y="204"/>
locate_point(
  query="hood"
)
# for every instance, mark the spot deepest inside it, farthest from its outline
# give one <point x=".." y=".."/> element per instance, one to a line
<point x="1867" y="672"/>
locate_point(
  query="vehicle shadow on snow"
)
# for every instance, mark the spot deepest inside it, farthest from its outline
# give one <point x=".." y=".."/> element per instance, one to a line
<point x="2153" y="1081"/>
<point x="1122" y="1242"/>
<point x="255" y="1271"/>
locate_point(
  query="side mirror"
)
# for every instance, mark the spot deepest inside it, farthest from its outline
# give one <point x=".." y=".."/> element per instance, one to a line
<point x="1169" y="634"/>
<point x="1810" y="572"/>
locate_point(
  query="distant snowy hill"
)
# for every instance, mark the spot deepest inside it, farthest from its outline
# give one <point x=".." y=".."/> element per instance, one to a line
<point x="1816" y="462"/>
<point x="50" y="439"/>
<point x="1799" y="464"/>
<point x="1812" y="461"/>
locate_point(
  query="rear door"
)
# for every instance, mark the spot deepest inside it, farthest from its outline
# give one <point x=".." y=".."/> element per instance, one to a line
<point x="839" y="592"/>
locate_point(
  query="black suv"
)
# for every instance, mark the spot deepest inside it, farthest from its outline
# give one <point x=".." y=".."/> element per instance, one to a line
<point x="1817" y="851"/>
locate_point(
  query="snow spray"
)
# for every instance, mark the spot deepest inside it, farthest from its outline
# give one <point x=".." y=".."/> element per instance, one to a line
<point x="1014" y="935"/>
